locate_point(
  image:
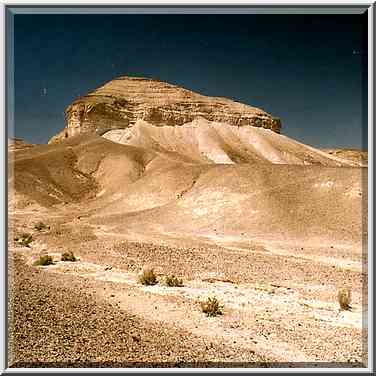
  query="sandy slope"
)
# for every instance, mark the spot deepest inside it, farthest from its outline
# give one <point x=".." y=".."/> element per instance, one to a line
<point x="204" y="141"/>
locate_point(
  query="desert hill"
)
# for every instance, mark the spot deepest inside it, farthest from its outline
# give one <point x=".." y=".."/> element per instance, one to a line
<point x="123" y="101"/>
<point x="146" y="173"/>
<point x="178" y="188"/>
<point x="197" y="177"/>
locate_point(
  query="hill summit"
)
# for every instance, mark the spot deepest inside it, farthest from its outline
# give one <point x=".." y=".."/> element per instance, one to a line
<point x="121" y="102"/>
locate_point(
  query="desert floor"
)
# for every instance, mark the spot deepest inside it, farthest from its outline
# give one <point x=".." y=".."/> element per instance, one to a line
<point x="280" y="299"/>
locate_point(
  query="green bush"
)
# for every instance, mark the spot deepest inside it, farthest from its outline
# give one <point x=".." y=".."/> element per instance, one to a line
<point x="44" y="260"/>
<point x="172" y="281"/>
<point x="24" y="239"/>
<point x="40" y="226"/>
<point x="212" y="307"/>
<point x="68" y="256"/>
<point x="147" y="277"/>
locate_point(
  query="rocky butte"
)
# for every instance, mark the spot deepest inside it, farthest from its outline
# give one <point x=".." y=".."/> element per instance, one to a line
<point x="121" y="102"/>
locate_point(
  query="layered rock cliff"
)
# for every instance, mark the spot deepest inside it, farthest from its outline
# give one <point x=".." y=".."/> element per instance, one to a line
<point x="122" y="101"/>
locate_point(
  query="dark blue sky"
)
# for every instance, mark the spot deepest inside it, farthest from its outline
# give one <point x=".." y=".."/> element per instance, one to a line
<point x="306" y="69"/>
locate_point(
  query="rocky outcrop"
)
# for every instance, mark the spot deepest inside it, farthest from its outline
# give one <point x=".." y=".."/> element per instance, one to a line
<point x="121" y="102"/>
<point x="15" y="143"/>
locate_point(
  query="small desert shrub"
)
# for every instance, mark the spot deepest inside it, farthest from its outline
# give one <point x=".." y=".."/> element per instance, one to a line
<point x="68" y="256"/>
<point x="44" y="260"/>
<point x="344" y="298"/>
<point x="24" y="239"/>
<point x="147" y="277"/>
<point x="40" y="226"/>
<point x="212" y="307"/>
<point x="172" y="281"/>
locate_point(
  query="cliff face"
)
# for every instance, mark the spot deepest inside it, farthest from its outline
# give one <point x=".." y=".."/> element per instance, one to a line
<point x="121" y="102"/>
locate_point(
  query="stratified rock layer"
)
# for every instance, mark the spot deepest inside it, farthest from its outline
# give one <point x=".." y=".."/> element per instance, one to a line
<point x="15" y="143"/>
<point x="121" y="102"/>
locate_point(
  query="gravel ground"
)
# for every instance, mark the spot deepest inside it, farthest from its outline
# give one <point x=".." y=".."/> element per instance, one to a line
<point x="80" y="327"/>
<point x="57" y="322"/>
<point x="253" y="266"/>
<point x="256" y="266"/>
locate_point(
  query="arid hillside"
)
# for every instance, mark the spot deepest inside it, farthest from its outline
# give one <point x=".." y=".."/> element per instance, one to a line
<point x="205" y="178"/>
